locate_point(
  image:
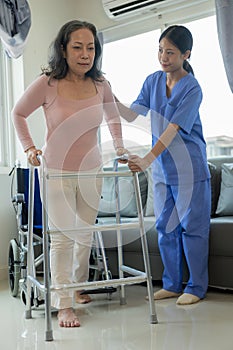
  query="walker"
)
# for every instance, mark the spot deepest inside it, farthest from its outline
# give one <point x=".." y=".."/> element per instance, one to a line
<point x="133" y="276"/>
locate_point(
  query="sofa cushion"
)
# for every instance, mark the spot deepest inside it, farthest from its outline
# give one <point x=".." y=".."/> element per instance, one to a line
<point x="214" y="185"/>
<point x="218" y="161"/>
<point x="221" y="236"/>
<point x="129" y="235"/>
<point x="225" y="201"/>
<point x="128" y="206"/>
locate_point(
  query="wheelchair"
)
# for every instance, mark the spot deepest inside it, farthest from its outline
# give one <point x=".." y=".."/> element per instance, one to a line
<point x="18" y="246"/>
<point x="17" y="252"/>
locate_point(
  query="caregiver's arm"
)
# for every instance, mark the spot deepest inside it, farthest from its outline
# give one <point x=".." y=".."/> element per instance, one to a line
<point x="125" y="111"/>
<point x="137" y="163"/>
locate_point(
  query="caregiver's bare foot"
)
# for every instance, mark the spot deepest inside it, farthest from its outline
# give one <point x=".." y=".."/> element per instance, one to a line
<point x="67" y="318"/>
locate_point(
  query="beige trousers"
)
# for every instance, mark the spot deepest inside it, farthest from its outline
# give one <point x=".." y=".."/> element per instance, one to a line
<point x="72" y="203"/>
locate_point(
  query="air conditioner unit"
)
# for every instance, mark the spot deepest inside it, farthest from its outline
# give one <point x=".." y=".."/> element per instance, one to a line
<point x="119" y="9"/>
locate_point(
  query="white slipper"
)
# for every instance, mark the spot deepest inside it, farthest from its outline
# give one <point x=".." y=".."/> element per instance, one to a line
<point x="187" y="299"/>
<point x="164" y="294"/>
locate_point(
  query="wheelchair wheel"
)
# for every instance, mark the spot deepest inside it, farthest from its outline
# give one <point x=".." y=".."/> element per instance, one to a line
<point x="35" y="302"/>
<point x="14" y="267"/>
<point x="24" y="296"/>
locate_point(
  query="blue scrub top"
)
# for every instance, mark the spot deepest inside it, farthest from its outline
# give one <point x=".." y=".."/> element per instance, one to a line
<point x="185" y="158"/>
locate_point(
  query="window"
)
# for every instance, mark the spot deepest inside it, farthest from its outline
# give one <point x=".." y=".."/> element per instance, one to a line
<point x="6" y="139"/>
<point x="2" y="140"/>
<point x="216" y="108"/>
<point x="127" y="62"/>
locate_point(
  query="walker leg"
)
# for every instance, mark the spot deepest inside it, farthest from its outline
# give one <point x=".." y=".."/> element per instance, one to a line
<point x="153" y="316"/>
<point x="119" y="236"/>
<point x="122" y="296"/>
<point x="48" y="314"/>
<point x="28" y="311"/>
<point x="106" y="273"/>
<point x="30" y="255"/>
<point x="28" y="314"/>
<point x="49" y="335"/>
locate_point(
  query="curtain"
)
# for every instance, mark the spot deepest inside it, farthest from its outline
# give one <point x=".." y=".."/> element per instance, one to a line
<point x="101" y="40"/>
<point x="224" y="17"/>
<point x="15" y="23"/>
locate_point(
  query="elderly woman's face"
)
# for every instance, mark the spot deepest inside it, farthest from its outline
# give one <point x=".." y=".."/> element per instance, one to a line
<point x="80" y="51"/>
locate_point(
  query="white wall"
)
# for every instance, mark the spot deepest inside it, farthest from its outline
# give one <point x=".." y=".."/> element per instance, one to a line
<point x="47" y="18"/>
<point x="7" y="220"/>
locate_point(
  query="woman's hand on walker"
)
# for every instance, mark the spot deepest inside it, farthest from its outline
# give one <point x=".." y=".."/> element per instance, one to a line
<point x="122" y="154"/>
<point x="32" y="154"/>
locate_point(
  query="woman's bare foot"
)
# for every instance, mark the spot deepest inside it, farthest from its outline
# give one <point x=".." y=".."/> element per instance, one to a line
<point x="82" y="298"/>
<point x="67" y="318"/>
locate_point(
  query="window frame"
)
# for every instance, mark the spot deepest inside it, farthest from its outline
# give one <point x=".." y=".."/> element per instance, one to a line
<point x="205" y="110"/>
<point x="7" y="141"/>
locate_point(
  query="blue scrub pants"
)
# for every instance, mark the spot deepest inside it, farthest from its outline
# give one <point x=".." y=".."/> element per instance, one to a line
<point x="183" y="220"/>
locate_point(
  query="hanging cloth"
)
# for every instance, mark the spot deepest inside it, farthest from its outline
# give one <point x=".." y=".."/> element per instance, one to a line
<point x="15" y="23"/>
<point x="224" y="17"/>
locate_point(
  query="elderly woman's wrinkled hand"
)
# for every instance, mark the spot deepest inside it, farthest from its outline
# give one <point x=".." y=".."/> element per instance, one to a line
<point x="32" y="156"/>
<point x="122" y="154"/>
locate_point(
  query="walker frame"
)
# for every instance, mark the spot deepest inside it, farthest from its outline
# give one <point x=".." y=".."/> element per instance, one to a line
<point x="133" y="276"/>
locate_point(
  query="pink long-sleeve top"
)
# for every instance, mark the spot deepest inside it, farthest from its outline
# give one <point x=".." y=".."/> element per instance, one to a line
<point x="71" y="141"/>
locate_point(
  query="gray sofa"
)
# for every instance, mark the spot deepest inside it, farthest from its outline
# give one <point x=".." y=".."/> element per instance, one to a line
<point x="221" y="228"/>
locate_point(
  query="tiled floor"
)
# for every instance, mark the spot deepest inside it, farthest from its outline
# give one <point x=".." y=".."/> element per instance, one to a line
<point x="105" y="325"/>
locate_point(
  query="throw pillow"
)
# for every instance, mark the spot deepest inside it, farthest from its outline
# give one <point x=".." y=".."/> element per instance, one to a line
<point x="225" y="202"/>
<point x="128" y="206"/>
<point x="214" y="181"/>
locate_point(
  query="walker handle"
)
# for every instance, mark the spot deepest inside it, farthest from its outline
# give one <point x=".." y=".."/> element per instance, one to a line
<point x="123" y="158"/>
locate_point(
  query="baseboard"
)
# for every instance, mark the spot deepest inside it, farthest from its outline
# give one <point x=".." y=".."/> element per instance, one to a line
<point x="3" y="273"/>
